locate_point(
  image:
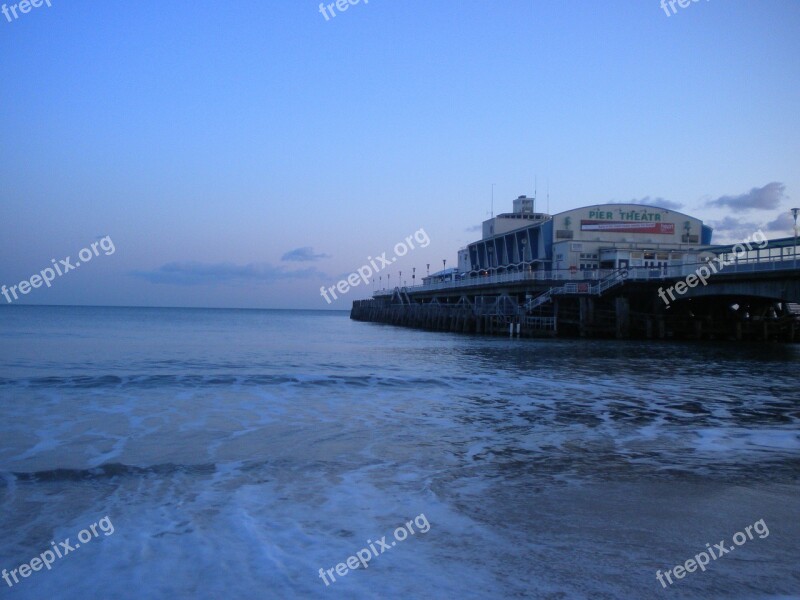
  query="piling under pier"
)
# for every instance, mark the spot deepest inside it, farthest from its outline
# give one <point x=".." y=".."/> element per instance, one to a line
<point x="623" y="310"/>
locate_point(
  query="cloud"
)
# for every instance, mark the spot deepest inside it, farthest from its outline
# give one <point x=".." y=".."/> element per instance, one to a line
<point x="659" y="202"/>
<point x="732" y="229"/>
<point x="765" y="198"/>
<point x="474" y="228"/>
<point x="785" y="222"/>
<point x="195" y="273"/>
<point x="304" y="254"/>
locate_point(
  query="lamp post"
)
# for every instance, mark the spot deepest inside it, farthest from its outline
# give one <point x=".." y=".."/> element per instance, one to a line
<point x="413" y="276"/>
<point x="444" y="266"/>
<point x="524" y="254"/>
<point x="795" y="212"/>
<point x="428" y="265"/>
<point x="400" y="279"/>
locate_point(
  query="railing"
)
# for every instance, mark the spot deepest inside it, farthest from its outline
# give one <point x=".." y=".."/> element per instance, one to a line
<point x="546" y="323"/>
<point x="614" y="279"/>
<point x="750" y="265"/>
<point x="562" y="275"/>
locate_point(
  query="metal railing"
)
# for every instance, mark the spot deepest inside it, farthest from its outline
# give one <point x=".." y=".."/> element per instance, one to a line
<point x="546" y="323"/>
<point x="611" y="280"/>
<point x="748" y="265"/>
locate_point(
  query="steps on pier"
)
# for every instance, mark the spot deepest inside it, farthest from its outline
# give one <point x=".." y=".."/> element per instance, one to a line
<point x="613" y="280"/>
<point x="793" y="308"/>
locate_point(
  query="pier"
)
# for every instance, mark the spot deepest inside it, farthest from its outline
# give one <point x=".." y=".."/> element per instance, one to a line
<point x="756" y="298"/>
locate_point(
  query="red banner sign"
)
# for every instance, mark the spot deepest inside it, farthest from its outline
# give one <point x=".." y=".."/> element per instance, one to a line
<point x="628" y="227"/>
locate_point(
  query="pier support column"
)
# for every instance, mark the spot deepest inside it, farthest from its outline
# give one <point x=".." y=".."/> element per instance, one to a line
<point x="555" y="316"/>
<point x="586" y="306"/>
<point x="623" y="314"/>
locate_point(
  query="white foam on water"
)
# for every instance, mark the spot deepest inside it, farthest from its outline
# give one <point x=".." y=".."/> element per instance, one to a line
<point x="241" y="475"/>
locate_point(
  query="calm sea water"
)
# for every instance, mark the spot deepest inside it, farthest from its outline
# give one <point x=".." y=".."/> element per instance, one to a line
<point x="238" y="452"/>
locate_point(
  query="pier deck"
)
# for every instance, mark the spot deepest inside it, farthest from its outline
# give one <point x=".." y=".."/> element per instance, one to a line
<point x="752" y="300"/>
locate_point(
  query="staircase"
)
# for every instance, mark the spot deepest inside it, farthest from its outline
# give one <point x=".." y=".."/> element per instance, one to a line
<point x="793" y="309"/>
<point x="614" y="279"/>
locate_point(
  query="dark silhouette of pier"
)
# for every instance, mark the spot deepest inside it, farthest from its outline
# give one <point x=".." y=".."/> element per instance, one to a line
<point x="753" y="299"/>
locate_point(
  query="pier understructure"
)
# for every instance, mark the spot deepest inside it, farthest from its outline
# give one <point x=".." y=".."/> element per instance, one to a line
<point x="752" y="300"/>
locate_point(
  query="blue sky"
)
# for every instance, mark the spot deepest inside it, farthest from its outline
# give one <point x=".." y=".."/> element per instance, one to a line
<point x="245" y="154"/>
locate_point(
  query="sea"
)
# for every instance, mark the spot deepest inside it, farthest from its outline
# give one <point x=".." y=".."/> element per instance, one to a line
<point x="236" y="454"/>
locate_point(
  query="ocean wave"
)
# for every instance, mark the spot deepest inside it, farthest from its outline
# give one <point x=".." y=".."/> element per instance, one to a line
<point x="107" y="471"/>
<point x="202" y="381"/>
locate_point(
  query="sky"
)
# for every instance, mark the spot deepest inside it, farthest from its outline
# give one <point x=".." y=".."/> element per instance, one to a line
<point x="246" y="154"/>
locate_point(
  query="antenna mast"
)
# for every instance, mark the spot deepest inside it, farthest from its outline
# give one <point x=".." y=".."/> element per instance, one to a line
<point x="548" y="195"/>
